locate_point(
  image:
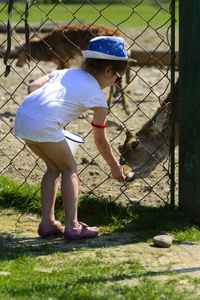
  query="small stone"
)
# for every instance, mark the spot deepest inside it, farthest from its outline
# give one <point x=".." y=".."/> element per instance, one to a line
<point x="134" y="201"/>
<point x="84" y="161"/>
<point x="32" y="218"/>
<point x="92" y="173"/>
<point x="164" y="241"/>
<point x="148" y="188"/>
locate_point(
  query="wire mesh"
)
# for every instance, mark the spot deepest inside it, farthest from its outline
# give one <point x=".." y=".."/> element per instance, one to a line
<point x="145" y="92"/>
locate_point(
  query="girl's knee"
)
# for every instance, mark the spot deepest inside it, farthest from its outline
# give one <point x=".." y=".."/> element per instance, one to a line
<point x="70" y="169"/>
<point x="54" y="170"/>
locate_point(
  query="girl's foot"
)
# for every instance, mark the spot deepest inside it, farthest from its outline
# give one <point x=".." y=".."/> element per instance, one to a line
<point x="47" y="229"/>
<point x="83" y="231"/>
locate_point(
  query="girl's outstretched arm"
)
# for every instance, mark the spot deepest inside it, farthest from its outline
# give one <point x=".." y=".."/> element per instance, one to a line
<point x="103" y="145"/>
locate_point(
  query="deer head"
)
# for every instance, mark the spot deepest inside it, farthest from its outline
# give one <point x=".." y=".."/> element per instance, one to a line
<point x="142" y="151"/>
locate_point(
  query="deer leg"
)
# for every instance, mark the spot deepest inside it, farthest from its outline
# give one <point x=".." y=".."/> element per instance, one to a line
<point x="109" y="101"/>
<point x="117" y="90"/>
<point x="127" y="75"/>
<point x="124" y="100"/>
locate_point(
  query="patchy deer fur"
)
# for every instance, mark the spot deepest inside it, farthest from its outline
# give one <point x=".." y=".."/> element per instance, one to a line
<point x="64" y="42"/>
<point x="144" y="150"/>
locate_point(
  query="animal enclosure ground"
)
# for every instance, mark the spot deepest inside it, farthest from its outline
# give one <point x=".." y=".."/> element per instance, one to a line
<point x="145" y="92"/>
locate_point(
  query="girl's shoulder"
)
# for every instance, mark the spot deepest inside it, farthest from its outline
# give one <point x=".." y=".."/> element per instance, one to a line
<point x="68" y="72"/>
<point x="58" y="73"/>
<point x="79" y="76"/>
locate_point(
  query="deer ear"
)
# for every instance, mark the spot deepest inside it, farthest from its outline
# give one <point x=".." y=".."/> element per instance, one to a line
<point x="130" y="134"/>
<point x="163" y="118"/>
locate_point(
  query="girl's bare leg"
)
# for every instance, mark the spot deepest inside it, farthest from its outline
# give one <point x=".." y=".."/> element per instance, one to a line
<point x="69" y="190"/>
<point x="49" y="188"/>
<point x="59" y="160"/>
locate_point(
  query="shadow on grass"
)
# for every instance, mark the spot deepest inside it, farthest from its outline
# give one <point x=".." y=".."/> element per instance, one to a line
<point x="118" y="224"/>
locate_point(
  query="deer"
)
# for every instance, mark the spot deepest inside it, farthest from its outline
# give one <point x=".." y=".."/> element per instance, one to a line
<point x="64" y="42"/>
<point x="144" y="150"/>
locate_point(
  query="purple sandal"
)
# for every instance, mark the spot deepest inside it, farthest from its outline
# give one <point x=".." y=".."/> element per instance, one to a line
<point x="45" y="230"/>
<point x="83" y="231"/>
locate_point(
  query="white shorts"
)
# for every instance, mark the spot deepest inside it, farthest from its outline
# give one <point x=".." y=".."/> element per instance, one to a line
<point x="31" y="129"/>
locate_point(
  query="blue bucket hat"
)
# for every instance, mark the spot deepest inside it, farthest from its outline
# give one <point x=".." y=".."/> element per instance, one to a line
<point x="107" y="47"/>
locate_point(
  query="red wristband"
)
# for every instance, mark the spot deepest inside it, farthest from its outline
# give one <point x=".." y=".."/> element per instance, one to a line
<point x="99" y="126"/>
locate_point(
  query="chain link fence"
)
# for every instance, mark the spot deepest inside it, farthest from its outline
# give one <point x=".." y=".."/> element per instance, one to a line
<point x="145" y="91"/>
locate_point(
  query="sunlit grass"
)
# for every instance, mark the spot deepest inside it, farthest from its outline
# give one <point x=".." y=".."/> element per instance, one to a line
<point x="124" y="16"/>
<point x="81" y="275"/>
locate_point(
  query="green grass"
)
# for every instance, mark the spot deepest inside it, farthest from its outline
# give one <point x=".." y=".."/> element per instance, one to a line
<point x="25" y="198"/>
<point x="90" y="269"/>
<point x="112" y="15"/>
<point x="95" y="275"/>
<point x="103" y="212"/>
<point x="86" y="278"/>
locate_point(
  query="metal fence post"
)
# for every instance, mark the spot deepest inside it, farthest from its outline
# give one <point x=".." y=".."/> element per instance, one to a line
<point x="172" y="137"/>
<point x="189" y="149"/>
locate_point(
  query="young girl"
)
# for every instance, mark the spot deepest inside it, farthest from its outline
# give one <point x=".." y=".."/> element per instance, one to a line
<point x="55" y="100"/>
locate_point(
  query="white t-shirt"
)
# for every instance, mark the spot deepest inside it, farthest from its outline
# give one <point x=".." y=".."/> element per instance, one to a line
<point x="62" y="99"/>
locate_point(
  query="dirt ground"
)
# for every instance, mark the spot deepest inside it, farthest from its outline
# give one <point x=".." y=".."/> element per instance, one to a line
<point x="144" y="93"/>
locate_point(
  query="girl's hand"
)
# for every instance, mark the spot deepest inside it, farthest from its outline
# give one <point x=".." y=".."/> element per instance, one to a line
<point x="118" y="173"/>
